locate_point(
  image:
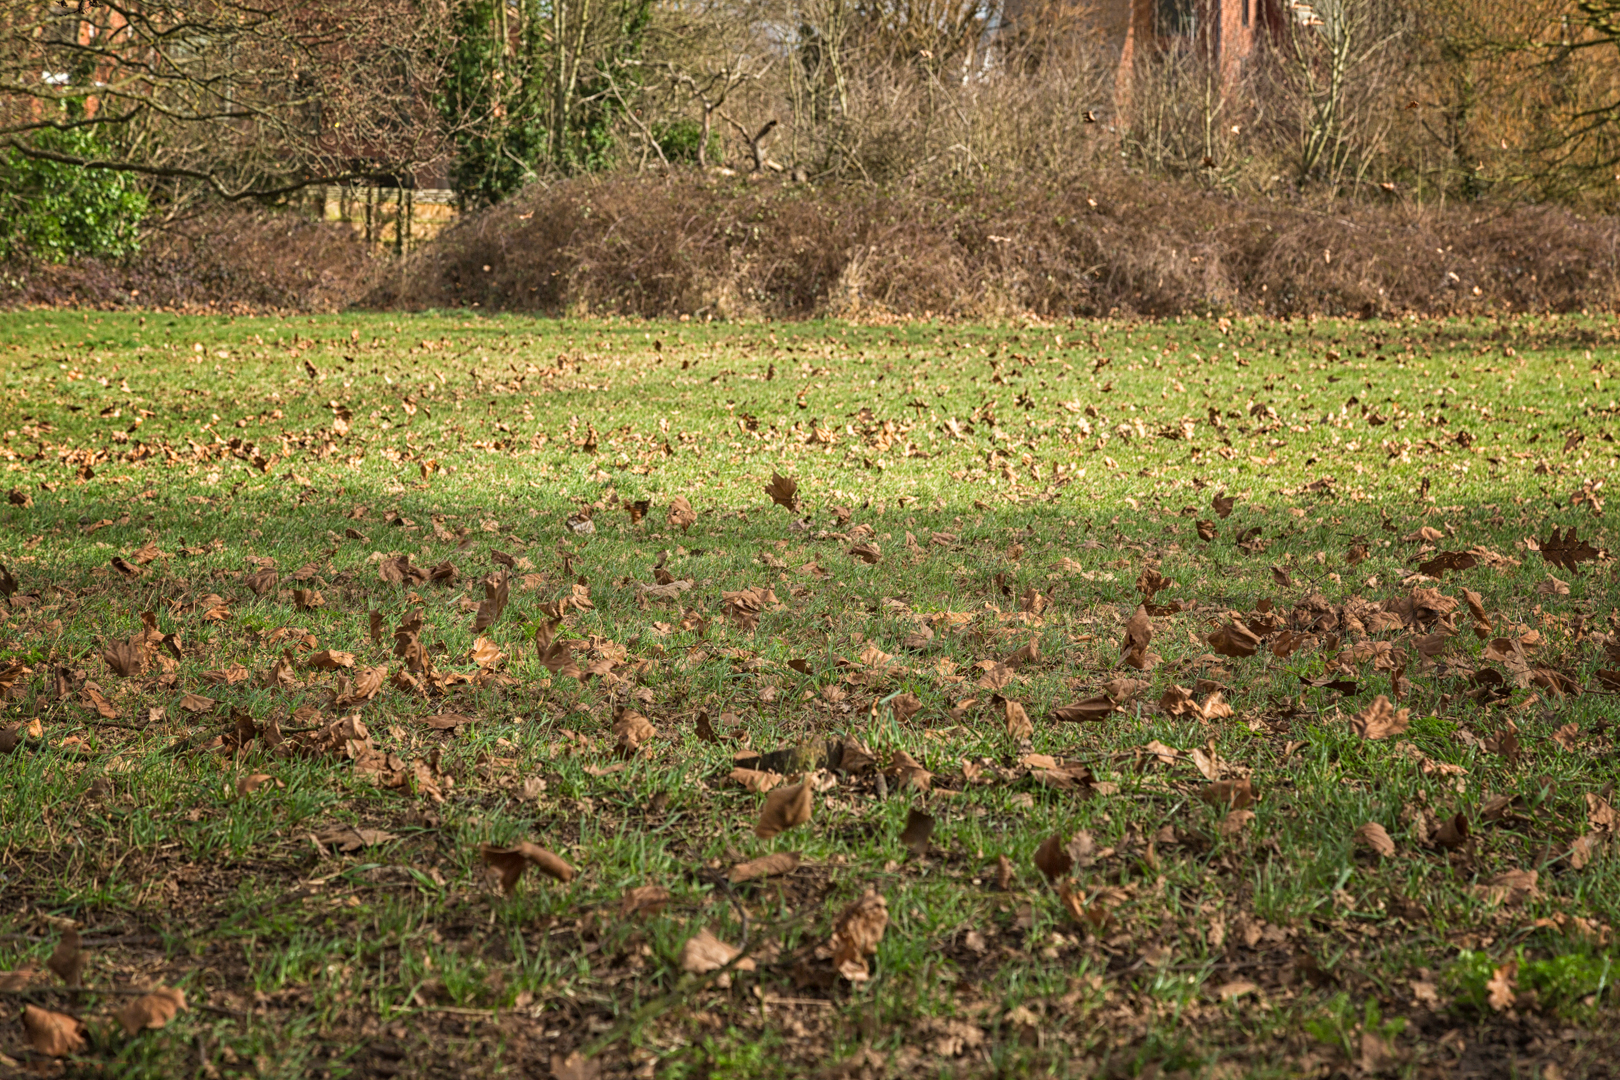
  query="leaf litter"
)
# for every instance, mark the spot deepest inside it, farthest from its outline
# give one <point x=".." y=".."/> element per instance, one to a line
<point x="1021" y="712"/>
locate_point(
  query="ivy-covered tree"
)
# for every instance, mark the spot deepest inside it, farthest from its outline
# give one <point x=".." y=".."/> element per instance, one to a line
<point x="537" y="85"/>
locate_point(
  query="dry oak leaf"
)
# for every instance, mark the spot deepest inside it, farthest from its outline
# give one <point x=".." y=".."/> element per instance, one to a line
<point x="53" y="1034"/>
<point x="448" y="721"/>
<point x="782" y="862"/>
<point x="867" y="553"/>
<point x="1500" y="987"/>
<point x="703" y="953"/>
<point x="512" y="861"/>
<point x="1567" y="551"/>
<point x="486" y="654"/>
<point x="576" y="1066"/>
<point x="1375" y="836"/>
<point x="856" y="935"/>
<point x="1234" y="822"/>
<point x="905" y="706"/>
<point x="1381" y="719"/>
<point x="1222" y="505"/>
<point x="261" y="582"/>
<point x="151" y="1011"/>
<point x="1234" y="639"/>
<point x="785" y="808"/>
<point x="681" y="515"/>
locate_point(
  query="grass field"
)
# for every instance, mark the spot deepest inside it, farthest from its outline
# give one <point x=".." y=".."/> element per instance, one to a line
<point x="1069" y="638"/>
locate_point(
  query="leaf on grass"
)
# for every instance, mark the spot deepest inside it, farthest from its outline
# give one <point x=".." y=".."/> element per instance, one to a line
<point x="262" y="581"/>
<point x="758" y="781"/>
<point x="99" y="702"/>
<point x="1088" y="710"/>
<point x="681" y="515"/>
<point x="1234" y="639"/>
<point x="448" y="721"/>
<point x="783" y="491"/>
<point x="247" y="785"/>
<point x="149" y="1012"/>
<point x="1236" y="794"/>
<point x="1375" y="836"/>
<point x="1381" y="720"/>
<point x="196" y="703"/>
<point x="125" y="658"/>
<point x="785" y="808"/>
<point x="1138" y="633"/>
<point x="919" y="827"/>
<point x="1500" y="987"/>
<point x="67" y="959"/>
<point x="1222" y="505"/>
<point x="1018" y="723"/>
<point x="703" y="953"/>
<point x="486" y="654"/>
<point x="1568" y="550"/>
<point x="1052" y="858"/>
<point x="905" y="707"/>
<point x="867" y="553"/>
<point x="53" y="1034"/>
<point x="856" y="935"/>
<point x="643" y="900"/>
<point x="633" y="729"/>
<point x="1235" y="822"/>
<point x="1448" y="560"/>
<point x="512" y="861"/>
<point x="331" y="660"/>
<point x="782" y="862"/>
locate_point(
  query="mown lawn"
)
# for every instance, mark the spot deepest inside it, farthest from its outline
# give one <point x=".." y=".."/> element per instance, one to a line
<point x="1168" y="699"/>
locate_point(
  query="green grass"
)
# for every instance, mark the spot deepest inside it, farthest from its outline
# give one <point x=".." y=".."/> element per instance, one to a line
<point x="1061" y="459"/>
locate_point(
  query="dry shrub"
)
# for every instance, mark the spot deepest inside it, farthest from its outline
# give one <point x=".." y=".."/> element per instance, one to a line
<point x="1092" y="244"/>
<point x="225" y="258"/>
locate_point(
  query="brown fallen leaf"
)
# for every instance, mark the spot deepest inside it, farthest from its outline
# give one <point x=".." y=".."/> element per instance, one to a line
<point x="781" y="862"/>
<point x="633" y="729"/>
<point x="330" y="660"/>
<point x="152" y="1011"/>
<point x="1452" y="833"/>
<point x="785" y="808"/>
<point x="125" y="658"/>
<point x="1089" y="710"/>
<point x="576" y="1066"/>
<point x="247" y="785"/>
<point x="67" y="959"/>
<point x="905" y="706"/>
<point x="867" y="553"/>
<point x="53" y="1034"/>
<point x="261" y="582"/>
<point x="1006" y="873"/>
<point x="1207" y="530"/>
<point x="643" y="900"/>
<point x="1380" y="720"/>
<point x="196" y="703"/>
<point x="1222" y="505"/>
<point x="1500" y="987"/>
<point x="1138" y="633"/>
<point x="1234" y="639"/>
<point x="512" y="861"/>
<point x="757" y="780"/>
<point x="98" y="701"/>
<point x="1018" y="723"/>
<point x="703" y="953"/>
<point x="919" y="827"/>
<point x="448" y="721"/>
<point x="783" y="492"/>
<point x="1235" y="822"/>
<point x="1236" y="794"/>
<point x="681" y="515"/>
<point x="1375" y="836"/>
<point x="856" y="935"/>
<point x="1052" y="858"/>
